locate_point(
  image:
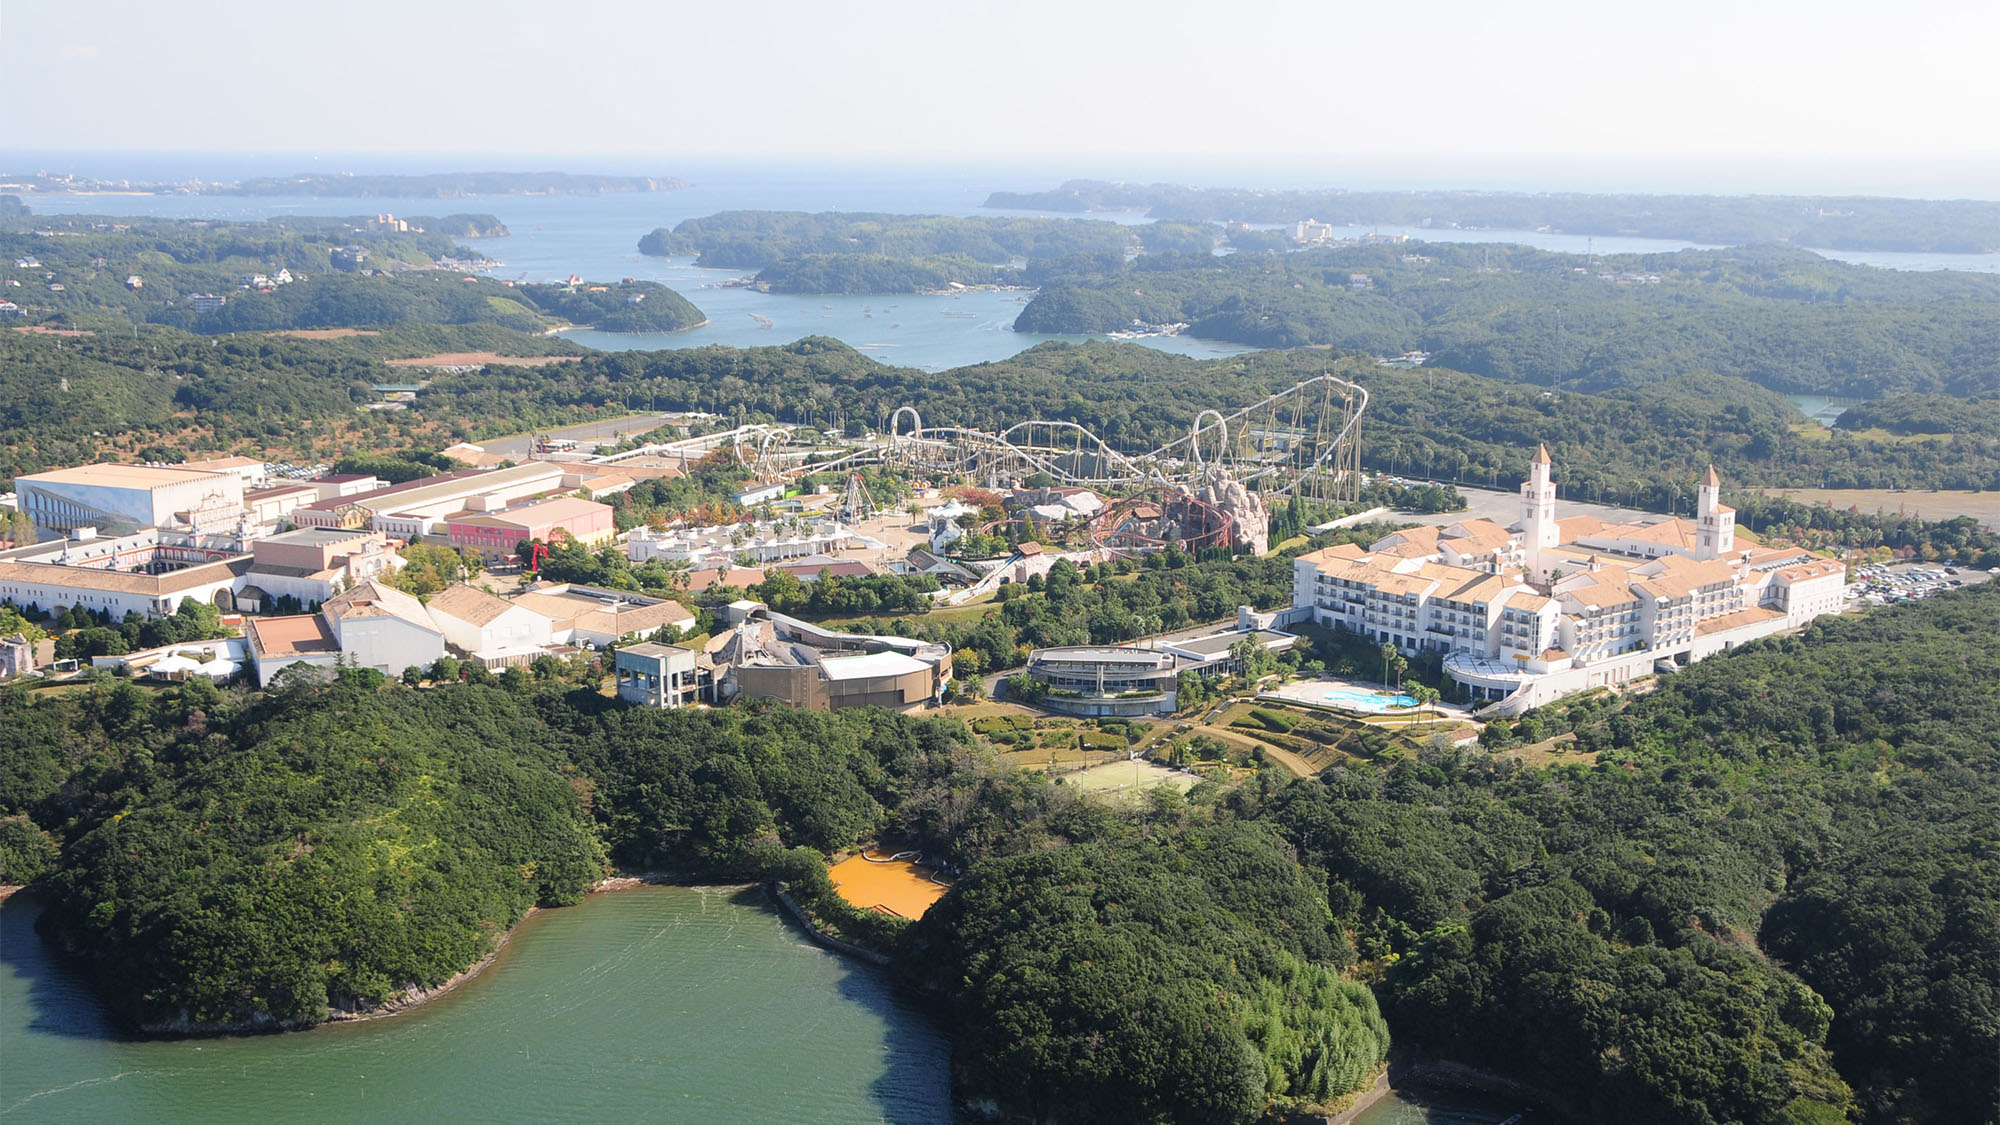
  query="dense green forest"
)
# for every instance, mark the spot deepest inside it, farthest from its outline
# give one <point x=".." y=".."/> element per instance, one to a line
<point x="160" y="394"/>
<point x="872" y="274"/>
<point x="231" y="861"/>
<point x="173" y="395"/>
<point x="863" y="253"/>
<point x="1915" y="415"/>
<point x="1641" y="446"/>
<point x="1788" y="320"/>
<point x="1765" y="893"/>
<point x="1833" y="222"/>
<point x="756" y="239"/>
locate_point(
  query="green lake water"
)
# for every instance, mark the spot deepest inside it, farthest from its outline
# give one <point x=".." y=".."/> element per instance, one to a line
<point x="661" y="1004"/>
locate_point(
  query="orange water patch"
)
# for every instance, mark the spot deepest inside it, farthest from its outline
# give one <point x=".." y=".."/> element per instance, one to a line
<point x="894" y="887"/>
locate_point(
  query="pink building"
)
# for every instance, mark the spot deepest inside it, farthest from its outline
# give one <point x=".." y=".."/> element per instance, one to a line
<point x="493" y="535"/>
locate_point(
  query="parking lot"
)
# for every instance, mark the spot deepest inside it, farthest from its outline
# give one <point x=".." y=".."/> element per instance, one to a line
<point x="1902" y="582"/>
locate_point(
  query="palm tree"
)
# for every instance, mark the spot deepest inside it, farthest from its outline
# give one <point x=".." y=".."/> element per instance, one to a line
<point x="1425" y="695"/>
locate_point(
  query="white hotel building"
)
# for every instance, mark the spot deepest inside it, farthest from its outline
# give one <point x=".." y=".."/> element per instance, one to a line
<point x="1552" y="606"/>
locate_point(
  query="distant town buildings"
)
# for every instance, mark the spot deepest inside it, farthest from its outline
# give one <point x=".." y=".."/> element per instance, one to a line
<point x="1310" y="233"/>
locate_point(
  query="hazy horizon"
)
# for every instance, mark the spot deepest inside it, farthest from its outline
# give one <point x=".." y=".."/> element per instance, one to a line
<point x="1784" y="97"/>
<point x="1950" y="179"/>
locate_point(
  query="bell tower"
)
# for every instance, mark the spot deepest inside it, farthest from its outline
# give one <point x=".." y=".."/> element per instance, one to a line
<point x="1715" y="533"/>
<point x="1538" y="513"/>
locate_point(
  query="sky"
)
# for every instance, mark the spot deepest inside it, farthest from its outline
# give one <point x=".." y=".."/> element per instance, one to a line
<point x="1748" y="94"/>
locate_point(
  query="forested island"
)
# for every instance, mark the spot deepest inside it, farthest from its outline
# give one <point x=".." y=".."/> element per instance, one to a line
<point x="1758" y="894"/>
<point x="301" y="273"/>
<point x="1959" y="226"/>
<point x="440" y="185"/>
<point x="868" y="254"/>
<point x="1785" y="319"/>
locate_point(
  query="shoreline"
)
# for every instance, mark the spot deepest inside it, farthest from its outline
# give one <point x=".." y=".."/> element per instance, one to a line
<point x="418" y="997"/>
<point x="1375" y="1092"/>
<point x="562" y="328"/>
<point x="413" y="999"/>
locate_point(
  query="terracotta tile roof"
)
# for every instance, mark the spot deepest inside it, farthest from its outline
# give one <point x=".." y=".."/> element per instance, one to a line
<point x="1667" y="533"/>
<point x="469" y="604"/>
<point x="121" y="581"/>
<point x="1389" y="582"/>
<point x="373" y="599"/>
<point x="1421" y="536"/>
<point x="299" y="634"/>
<point x="1347" y="551"/>
<point x="836" y="568"/>
<point x="1576" y="527"/>
<point x="1753" y="616"/>
<point x="1615" y="591"/>
<point x="1527" y="600"/>
<point x="1819" y="569"/>
<point x="733" y="577"/>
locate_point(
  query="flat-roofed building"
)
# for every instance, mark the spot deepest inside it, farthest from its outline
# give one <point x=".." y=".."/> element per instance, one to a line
<point x="765" y="655"/>
<point x="253" y="470"/>
<point x="277" y="643"/>
<point x="272" y="505"/>
<point x="656" y="675"/>
<point x="494" y="535"/>
<point x="419" y="507"/>
<point x="312" y="564"/>
<point x="1143" y="678"/>
<point x="1100" y="680"/>
<point x="121" y="498"/>
<point x="335" y="486"/>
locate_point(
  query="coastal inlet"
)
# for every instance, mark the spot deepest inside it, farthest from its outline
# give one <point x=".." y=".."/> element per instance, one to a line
<point x="659" y="1004"/>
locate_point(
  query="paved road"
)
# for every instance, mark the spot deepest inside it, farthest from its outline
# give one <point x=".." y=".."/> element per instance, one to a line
<point x="586" y="435"/>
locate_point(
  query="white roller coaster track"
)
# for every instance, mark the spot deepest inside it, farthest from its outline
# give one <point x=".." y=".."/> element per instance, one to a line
<point x="1073" y="455"/>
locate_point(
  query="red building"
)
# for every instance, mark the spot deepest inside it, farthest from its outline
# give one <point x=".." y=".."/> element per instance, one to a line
<point x="493" y="535"/>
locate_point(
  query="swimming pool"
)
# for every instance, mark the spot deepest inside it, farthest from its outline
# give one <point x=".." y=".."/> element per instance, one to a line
<point x="1360" y="699"/>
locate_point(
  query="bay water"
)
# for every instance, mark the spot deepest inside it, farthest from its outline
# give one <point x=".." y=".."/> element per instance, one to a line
<point x="552" y="237"/>
<point x="659" y="1004"/>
